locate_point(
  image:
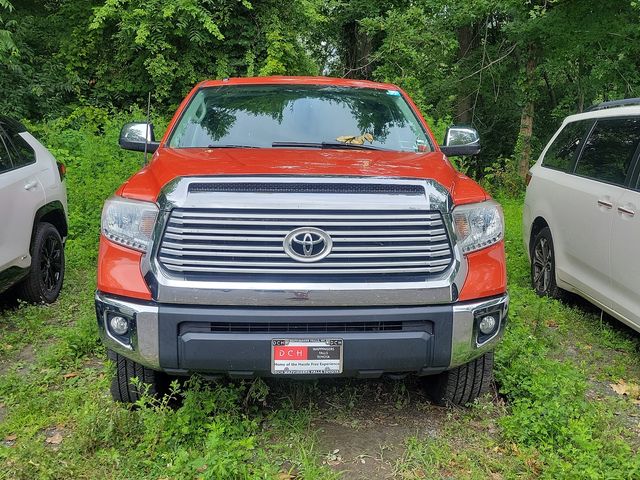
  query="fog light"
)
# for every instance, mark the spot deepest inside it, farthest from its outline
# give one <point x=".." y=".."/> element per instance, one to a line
<point x="119" y="325"/>
<point x="487" y="324"/>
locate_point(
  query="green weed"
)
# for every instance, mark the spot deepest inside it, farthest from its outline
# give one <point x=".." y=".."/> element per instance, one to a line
<point x="547" y="422"/>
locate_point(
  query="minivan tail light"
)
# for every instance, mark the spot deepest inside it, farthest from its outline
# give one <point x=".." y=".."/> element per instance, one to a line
<point x="527" y="178"/>
<point x="62" y="170"/>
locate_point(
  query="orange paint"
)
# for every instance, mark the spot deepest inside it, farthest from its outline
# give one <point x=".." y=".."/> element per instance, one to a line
<point x="487" y="275"/>
<point x="119" y="271"/>
<point x="169" y="163"/>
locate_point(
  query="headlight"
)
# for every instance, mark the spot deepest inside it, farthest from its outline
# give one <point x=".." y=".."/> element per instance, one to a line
<point x="129" y="222"/>
<point x="478" y="225"/>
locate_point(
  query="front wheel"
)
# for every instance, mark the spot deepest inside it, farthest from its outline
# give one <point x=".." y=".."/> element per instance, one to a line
<point x="123" y="389"/>
<point x="462" y="385"/>
<point x="46" y="275"/>
<point x="543" y="265"/>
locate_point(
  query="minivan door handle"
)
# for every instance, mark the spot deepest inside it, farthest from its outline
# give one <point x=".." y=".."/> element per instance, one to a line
<point x="605" y="204"/>
<point x="626" y="211"/>
<point x="31" y="185"/>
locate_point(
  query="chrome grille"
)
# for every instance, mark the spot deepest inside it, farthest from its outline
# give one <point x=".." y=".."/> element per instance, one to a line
<point x="216" y="243"/>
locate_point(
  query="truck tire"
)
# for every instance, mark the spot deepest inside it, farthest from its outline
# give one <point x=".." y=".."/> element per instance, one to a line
<point x="463" y="384"/>
<point x="122" y="388"/>
<point x="44" y="281"/>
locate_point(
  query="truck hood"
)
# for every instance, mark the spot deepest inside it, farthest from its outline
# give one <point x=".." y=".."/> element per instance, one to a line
<point x="168" y="164"/>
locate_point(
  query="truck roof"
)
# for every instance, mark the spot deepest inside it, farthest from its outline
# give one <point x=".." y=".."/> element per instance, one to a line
<point x="293" y="80"/>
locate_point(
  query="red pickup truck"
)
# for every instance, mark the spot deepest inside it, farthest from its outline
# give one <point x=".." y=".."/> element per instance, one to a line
<point x="302" y="227"/>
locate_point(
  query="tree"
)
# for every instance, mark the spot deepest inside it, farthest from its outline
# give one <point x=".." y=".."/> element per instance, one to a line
<point x="168" y="46"/>
<point x="513" y="69"/>
<point x="7" y="46"/>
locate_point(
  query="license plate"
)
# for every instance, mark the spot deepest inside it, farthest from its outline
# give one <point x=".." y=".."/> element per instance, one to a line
<point x="306" y="356"/>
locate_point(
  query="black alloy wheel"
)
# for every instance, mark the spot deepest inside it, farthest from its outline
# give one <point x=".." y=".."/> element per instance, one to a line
<point x="45" y="278"/>
<point x="51" y="263"/>
<point x="543" y="265"/>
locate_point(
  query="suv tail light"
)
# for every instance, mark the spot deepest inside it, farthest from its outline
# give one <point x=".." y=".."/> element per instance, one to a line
<point x="62" y="170"/>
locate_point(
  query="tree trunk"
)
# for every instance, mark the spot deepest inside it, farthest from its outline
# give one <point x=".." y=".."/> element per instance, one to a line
<point x="523" y="148"/>
<point x="358" y="48"/>
<point x="552" y="93"/>
<point x="464" y="104"/>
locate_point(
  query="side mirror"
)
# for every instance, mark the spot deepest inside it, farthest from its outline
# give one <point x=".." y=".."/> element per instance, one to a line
<point x="460" y="140"/>
<point x="133" y="136"/>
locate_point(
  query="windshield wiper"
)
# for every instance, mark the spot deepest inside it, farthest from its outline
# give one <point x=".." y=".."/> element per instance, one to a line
<point x="232" y="146"/>
<point x="338" y="145"/>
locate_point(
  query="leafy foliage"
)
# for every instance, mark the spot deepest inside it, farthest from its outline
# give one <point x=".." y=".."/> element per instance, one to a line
<point x="487" y="63"/>
<point x="78" y="68"/>
<point x="7" y="45"/>
<point x="513" y="69"/>
<point x="86" y="142"/>
<point x="551" y="418"/>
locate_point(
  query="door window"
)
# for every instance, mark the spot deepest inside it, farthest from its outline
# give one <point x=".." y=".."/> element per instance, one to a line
<point x="609" y="150"/>
<point x="5" y="160"/>
<point x="562" y="151"/>
<point x="21" y="152"/>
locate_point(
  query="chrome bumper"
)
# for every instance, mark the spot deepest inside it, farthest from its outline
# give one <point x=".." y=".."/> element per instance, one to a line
<point x="144" y="346"/>
<point x="464" y="344"/>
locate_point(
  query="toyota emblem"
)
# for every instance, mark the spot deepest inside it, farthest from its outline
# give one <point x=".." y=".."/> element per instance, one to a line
<point x="307" y="244"/>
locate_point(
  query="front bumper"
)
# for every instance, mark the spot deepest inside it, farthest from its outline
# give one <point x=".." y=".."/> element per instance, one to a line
<point x="236" y="341"/>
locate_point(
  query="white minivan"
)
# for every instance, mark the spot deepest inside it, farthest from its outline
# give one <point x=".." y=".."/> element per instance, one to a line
<point x="581" y="221"/>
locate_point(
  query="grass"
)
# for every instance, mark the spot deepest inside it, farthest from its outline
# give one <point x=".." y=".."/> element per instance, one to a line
<point x="555" y="415"/>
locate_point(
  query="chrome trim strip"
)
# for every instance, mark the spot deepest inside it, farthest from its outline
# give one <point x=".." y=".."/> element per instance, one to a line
<point x="185" y="232"/>
<point x="186" y="216"/>
<point x="372" y="252"/>
<point x="423" y="264"/>
<point x="464" y="345"/>
<point x="144" y="347"/>
<point x="396" y="248"/>
<point x="276" y="237"/>
<point x="333" y="223"/>
<point x="441" y="289"/>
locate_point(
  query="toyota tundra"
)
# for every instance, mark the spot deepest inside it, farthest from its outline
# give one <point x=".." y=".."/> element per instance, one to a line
<point x="301" y="227"/>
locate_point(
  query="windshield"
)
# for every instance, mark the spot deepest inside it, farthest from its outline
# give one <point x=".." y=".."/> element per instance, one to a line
<point x="267" y="116"/>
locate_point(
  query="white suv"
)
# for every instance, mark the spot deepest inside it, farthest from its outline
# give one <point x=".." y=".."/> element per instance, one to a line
<point x="33" y="215"/>
<point x="582" y="210"/>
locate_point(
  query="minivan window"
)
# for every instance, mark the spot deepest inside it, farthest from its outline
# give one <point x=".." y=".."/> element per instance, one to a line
<point x="561" y="153"/>
<point x="608" y="151"/>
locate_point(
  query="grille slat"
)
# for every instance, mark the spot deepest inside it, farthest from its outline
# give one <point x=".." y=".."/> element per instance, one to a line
<point x="194" y="248"/>
<point x="233" y="214"/>
<point x="333" y="233"/>
<point x="278" y="254"/>
<point x="311" y="222"/>
<point x="247" y="244"/>
<point x="285" y="263"/>
<point x="278" y="238"/>
<point x="350" y="271"/>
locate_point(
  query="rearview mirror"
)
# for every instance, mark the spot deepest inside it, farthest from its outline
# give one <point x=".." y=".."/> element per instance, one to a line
<point x="461" y="140"/>
<point x="134" y="136"/>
